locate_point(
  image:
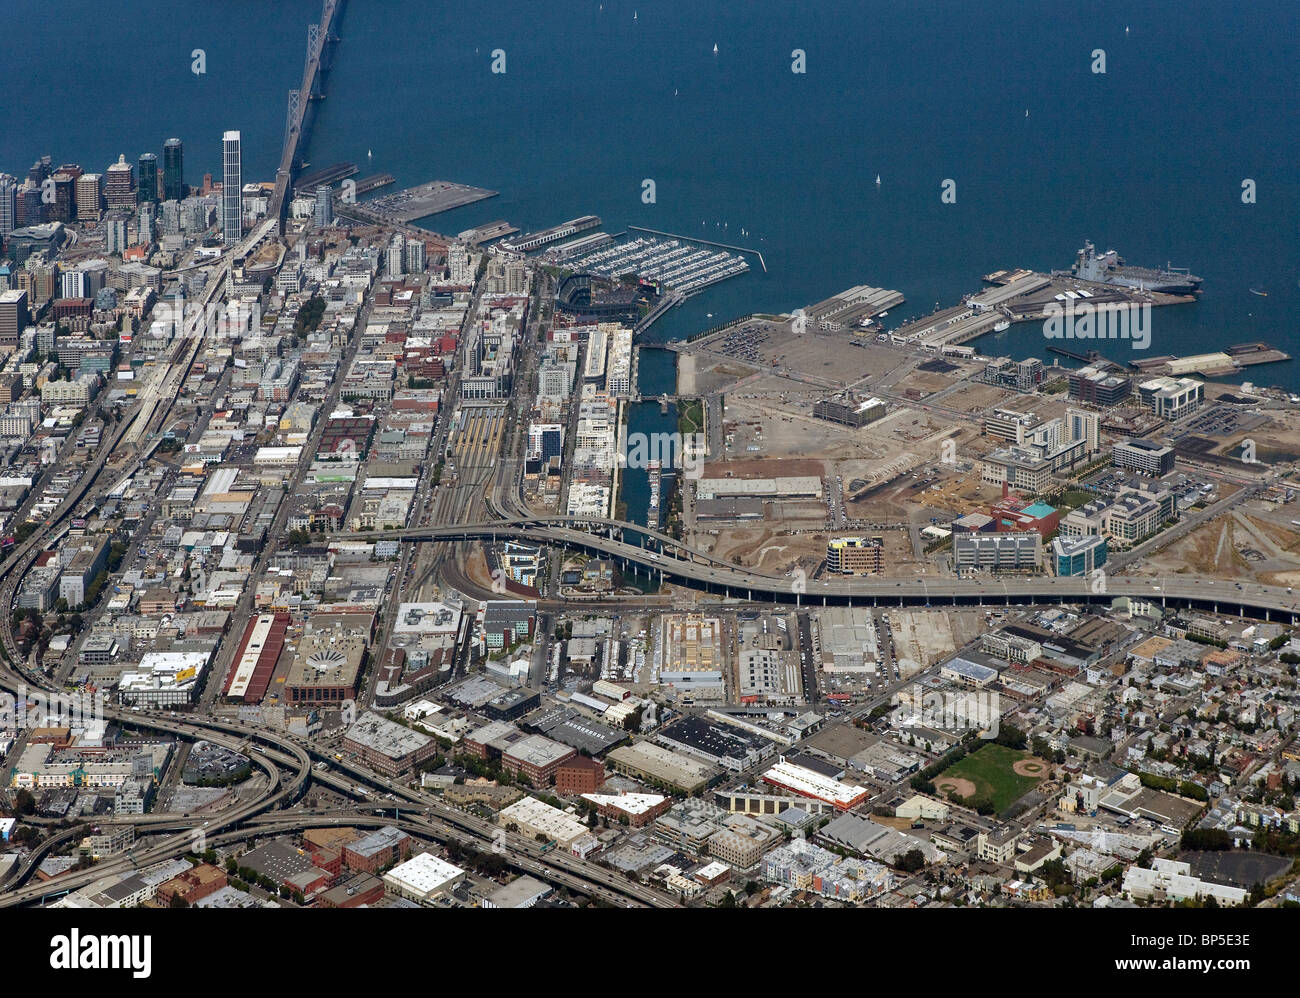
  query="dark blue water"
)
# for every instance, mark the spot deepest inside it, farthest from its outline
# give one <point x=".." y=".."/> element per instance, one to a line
<point x="86" y="80"/>
<point x="656" y="375"/>
<point x="1147" y="158"/>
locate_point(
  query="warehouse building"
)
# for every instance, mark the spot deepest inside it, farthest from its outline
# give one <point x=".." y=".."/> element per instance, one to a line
<point x="329" y="659"/>
<point x="376" y="850"/>
<point x="259" y="649"/>
<point x="536" y="757"/>
<point x="387" y="746"/>
<point x="533" y="817"/>
<point x="654" y="763"/>
<point x="809" y="783"/>
<point x="423" y="878"/>
<point x="722" y="746"/>
<point x="522" y="892"/>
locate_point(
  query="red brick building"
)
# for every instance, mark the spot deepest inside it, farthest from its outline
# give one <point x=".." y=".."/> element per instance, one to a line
<point x="361" y="889"/>
<point x="1013" y="514"/>
<point x="192" y="885"/>
<point x="536" y="757"/>
<point x="579" y="775"/>
<point x="379" y="849"/>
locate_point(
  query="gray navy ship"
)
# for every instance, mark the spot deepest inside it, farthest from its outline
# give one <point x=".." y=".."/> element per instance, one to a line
<point x="1110" y="268"/>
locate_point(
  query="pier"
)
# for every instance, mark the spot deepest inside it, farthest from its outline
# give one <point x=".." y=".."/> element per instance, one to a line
<point x="1231" y="361"/>
<point x="543" y="237"/>
<point x="374" y="182"/>
<point x="308" y="182"/>
<point x="670" y="300"/>
<point x="426" y="199"/>
<point x="1091" y="357"/>
<point x="487" y="233"/>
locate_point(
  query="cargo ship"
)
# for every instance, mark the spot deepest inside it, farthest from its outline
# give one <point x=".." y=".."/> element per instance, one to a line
<point x="1110" y="268"/>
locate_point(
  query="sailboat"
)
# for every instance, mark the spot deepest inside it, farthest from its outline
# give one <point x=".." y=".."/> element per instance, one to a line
<point x="877" y="180"/>
<point x="715" y="48"/>
<point x="370" y="154"/>
<point x="1026" y="112"/>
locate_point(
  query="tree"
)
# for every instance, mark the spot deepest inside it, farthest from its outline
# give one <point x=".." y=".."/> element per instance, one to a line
<point x="178" y="902"/>
<point x="911" y="861"/>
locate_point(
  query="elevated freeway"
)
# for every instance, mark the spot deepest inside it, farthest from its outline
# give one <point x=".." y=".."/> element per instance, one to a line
<point x="681" y="564"/>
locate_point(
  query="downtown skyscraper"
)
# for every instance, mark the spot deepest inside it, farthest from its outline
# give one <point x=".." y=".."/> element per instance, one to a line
<point x="147" y="192"/>
<point x="173" y="170"/>
<point x="232" y="188"/>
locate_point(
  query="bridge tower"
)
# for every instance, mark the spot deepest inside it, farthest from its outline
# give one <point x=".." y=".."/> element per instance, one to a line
<point x="314" y="46"/>
<point x="291" y="116"/>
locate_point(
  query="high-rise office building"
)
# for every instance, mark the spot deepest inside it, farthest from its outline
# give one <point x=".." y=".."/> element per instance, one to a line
<point x="41" y="169"/>
<point x="90" y="197"/>
<point x="173" y="170"/>
<point x="148" y="191"/>
<point x="63" y="208"/>
<point x="119" y="188"/>
<point x="232" y="185"/>
<point x="14" y="316"/>
<point x="28" y="211"/>
<point x="8" y="204"/>
<point x="324" y="213"/>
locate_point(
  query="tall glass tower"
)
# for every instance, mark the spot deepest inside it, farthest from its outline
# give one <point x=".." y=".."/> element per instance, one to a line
<point x="232" y="186"/>
<point x="8" y="205"/>
<point x="173" y="170"/>
<point x="147" y="192"/>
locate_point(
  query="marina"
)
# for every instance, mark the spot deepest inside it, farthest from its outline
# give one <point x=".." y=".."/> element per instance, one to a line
<point x="673" y="262"/>
<point x="705" y="242"/>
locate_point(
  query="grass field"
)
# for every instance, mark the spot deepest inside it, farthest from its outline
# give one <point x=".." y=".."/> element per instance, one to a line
<point x="990" y="769"/>
<point x="690" y="416"/>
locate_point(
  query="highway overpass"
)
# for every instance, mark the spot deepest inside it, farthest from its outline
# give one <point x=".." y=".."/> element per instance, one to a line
<point x="679" y="564"/>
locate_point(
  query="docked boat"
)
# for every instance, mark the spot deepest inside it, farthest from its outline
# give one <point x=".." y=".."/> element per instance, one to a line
<point x="1110" y="268"/>
<point x="656" y="477"/>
